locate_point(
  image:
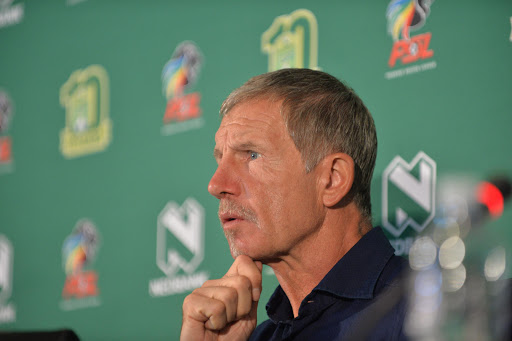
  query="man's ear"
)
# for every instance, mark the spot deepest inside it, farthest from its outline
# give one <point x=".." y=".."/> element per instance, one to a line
<point x="336" y="178"/>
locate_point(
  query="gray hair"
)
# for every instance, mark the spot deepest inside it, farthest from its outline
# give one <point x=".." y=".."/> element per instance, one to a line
<point x="323" y="116"/>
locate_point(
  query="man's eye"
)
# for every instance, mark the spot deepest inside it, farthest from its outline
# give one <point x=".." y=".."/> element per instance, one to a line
<point x="254" y="155"/>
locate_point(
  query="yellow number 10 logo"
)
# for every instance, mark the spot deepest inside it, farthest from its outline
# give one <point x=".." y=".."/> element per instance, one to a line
<point x="292" y="41"/>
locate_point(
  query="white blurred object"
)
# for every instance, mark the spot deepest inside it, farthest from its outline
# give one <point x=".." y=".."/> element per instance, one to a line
<point x="456" y="289"/>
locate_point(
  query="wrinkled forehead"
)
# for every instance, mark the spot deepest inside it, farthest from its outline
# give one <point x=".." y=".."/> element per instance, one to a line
<point x="259" y="116"/>
<point x="242" y="95"/>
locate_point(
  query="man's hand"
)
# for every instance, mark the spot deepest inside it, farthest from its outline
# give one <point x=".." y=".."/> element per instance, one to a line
<point x="225" y="308"/>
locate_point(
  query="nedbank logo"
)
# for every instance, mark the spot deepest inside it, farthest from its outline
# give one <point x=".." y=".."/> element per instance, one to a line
<point x="292" y="41"/>
<point x="408" y="194"/>
<point x="85" y="96"/>
<point x="5" y="269"/>
<point x="7" y="310"/>
<point x="189" y="232"/>
<point x="10" y="14"/>
<point x="180" y="247"/>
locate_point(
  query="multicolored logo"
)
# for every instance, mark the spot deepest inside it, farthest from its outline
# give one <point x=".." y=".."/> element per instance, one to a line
<point x="405" y="16"/>
<point x="10" y="14"/>
<point x="6" y="114"/>
<point x="180" y="247"/>
<point x="78" y="253"/>
<point x="85" y="96"/>
<point x="292" y="41"/>
<point x="7" y="310"/>
<point x="181" y="72"/>
<point x="408" y="197"/>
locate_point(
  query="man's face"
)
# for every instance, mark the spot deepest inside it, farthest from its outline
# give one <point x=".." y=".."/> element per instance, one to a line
<point x="268" y="204"/>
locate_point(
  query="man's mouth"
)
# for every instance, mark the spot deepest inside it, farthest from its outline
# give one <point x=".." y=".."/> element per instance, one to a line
<point x="231" y="213"/>
<point x="228" y="217"/>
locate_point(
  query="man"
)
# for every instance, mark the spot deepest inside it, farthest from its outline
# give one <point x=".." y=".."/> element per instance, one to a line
<point x="296" y="150"/>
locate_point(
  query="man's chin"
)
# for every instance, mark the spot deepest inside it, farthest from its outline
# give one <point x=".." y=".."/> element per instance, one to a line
<point x="235" y="253"/>
<point x="242" y="246"/>
<point x="236" y="250"/>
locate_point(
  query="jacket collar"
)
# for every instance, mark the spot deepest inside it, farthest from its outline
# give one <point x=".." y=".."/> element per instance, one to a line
<point x="356" y="273"/>
<point x="354" y="276"/>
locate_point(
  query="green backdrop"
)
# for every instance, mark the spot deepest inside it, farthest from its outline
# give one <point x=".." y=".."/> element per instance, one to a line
<point x="105" y="220"/>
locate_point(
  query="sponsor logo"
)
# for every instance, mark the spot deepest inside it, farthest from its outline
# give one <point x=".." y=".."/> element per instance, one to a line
<point x="408" y="196"/>
<point x="6" y="113"/>
<point x="405" y="16"/>
<point x="85" y="97"/>
<point x="74" y="2"/>
<point x="183" y="111"/>
<point x="292" y="41"/>
<point x="10" y="14"/>
<point x="78" y="253"/>
<point x="7" y="310"/>
<point x="180" y="248"/>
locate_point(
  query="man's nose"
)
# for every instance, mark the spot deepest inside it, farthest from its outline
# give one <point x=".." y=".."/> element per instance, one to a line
<point x="224" y="181"/>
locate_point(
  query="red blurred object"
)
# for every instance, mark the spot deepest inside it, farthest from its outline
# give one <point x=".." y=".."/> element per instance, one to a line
<point x="490" y="195"/>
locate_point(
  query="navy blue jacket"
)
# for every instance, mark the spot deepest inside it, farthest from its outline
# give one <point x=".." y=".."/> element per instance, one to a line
<point x="360" y="298"/>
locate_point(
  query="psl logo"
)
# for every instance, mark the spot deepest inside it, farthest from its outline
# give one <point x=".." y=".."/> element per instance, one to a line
<point x="408" y="194"/>
<point x="78" y="252"/>
<point x="7" y="311"/>
<point x="404" y="16"/>
<point x="6" y="113"/>
<point x="179" y="74"/>
<point x="85" y="96"/>
<point x="292" y="41"/>
<point x="186" y="224"/>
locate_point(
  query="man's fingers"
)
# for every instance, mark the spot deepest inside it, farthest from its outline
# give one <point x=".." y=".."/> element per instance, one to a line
<point x="228" y="296"/>
<point x="257" y="291"/>
<point x="245" y="266"/>
<point x="209" y="311"/>
<point x="235" y="292"/>
<point x="220" y="302"/>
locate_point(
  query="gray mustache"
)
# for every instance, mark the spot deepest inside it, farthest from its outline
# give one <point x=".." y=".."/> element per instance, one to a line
<point x="230" y="207"/>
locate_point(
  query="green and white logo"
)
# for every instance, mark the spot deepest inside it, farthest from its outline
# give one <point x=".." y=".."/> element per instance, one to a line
<point x="7" y="310"/>
<point x="11" y="14"/>
<point x="180" y="248"/>
<point x="408" y="194"/>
